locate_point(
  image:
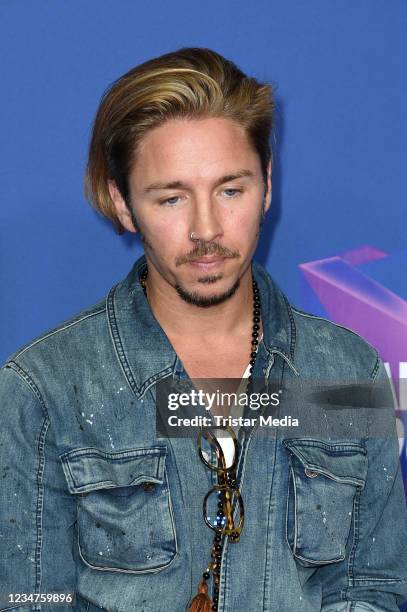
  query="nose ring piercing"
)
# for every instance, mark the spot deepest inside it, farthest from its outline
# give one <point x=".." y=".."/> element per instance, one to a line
<point x="191" y="236"/>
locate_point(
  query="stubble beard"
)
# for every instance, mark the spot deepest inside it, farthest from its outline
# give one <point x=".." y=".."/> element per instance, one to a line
<point x="192" y="297"/>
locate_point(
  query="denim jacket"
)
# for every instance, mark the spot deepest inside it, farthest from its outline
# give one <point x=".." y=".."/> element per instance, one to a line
<point x="93" y="502"/>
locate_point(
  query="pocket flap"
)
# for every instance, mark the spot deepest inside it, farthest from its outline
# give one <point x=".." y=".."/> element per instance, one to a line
<point x="344" y="462"/>
<point x="87" y="469"/>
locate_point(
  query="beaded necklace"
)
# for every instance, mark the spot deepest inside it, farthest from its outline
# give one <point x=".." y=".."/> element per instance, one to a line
<point x="202" y="602"/>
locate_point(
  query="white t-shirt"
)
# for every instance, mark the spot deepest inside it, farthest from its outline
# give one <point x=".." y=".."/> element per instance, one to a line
<point x="226" y="441"/>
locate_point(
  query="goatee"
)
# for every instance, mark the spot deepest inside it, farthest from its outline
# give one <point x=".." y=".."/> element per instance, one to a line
<point x="203" y="301"/>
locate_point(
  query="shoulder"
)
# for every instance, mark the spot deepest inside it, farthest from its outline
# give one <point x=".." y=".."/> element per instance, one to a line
<point x="319" y="348"/>
<point x="69" y="337"/>
<point x="322" y="343"/>
<point x="46" y="364"/>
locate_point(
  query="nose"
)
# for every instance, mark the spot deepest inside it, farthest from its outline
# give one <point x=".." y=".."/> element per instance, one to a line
<point x="205" y="223"/>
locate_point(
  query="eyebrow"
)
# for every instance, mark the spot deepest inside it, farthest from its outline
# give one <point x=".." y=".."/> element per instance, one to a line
<point x="180" y="185"/>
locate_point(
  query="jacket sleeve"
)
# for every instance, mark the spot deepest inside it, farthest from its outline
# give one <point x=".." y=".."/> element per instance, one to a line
<point x="36" y="513"/>
<point x="373" y="577"/>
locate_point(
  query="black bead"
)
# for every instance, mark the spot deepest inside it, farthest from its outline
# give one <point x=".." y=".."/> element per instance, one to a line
<point x="218" y="538"/>
<point x="218" y="547"/>
<point x="256" y="319"/>
<point x="255" y="334"/>
<point x="253" y="354"/>
<point x="252" y="362"/>
<point x="206" y="575"/>
<point x="256" y="327"/>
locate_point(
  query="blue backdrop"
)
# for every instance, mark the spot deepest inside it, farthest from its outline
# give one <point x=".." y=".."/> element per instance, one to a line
<point x="340" y="141"/>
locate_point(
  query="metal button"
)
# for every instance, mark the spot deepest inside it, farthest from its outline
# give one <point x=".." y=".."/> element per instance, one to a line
<point x="310" y="473"/>
<point x="148" y="486"/>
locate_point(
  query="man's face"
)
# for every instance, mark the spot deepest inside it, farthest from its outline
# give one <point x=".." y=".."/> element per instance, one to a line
<point x="199" y="177"/>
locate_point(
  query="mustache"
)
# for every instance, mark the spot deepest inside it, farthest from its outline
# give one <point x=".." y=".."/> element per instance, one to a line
<point x="202" y="249"/>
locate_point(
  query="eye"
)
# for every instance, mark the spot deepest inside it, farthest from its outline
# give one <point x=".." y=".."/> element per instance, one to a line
<point x="172" y="201"/>
<point x="232" y="193"/>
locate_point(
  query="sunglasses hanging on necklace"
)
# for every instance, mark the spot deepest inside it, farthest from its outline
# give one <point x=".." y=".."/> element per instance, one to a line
<point x="227" y="487"/>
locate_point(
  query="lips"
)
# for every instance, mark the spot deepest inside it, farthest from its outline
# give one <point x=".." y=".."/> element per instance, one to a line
<point x="208" y="260"/>
<point x="207" y="264"/>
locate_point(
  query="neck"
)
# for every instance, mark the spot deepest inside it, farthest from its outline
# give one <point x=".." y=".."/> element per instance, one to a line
<point x="181" y="319"/>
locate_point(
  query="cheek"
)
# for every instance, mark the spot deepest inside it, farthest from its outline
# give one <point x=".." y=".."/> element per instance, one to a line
<point x="166" y="234"/>
<point x="242" y="222"/>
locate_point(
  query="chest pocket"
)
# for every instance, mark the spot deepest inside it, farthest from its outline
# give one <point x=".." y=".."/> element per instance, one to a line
<point x="125" y="520"/>
<point x="323" y="483"/>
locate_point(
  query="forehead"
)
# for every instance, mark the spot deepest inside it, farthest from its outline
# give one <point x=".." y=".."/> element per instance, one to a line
<point x="193" y="149"/>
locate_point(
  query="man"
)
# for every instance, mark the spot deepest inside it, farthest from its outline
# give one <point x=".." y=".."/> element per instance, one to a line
<point x="92" y="500"/>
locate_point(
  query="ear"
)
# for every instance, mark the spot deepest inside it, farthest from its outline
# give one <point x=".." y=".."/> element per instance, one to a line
<point x="122" y="211"/>
<point x="268" y="194"/>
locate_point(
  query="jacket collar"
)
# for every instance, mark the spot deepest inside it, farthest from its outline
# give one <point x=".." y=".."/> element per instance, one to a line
<point x="143" y="349"/>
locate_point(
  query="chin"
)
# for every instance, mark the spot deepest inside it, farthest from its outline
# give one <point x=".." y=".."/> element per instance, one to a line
<point x="205" y="301"/>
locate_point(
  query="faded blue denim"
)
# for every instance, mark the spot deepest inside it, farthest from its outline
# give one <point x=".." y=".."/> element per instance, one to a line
<point x="93" y="502"/>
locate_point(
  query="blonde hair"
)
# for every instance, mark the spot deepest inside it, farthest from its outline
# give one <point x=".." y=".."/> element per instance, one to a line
<point x="188" y="83"/>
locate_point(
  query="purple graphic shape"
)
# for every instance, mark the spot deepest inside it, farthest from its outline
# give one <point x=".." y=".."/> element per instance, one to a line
<point x="354" y="300"/>
<point x="342" y="288"/>
<point x="363" y="254"/>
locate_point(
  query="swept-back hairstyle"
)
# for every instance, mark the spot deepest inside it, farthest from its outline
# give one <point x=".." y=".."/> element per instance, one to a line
<point x="188" y="83"/>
